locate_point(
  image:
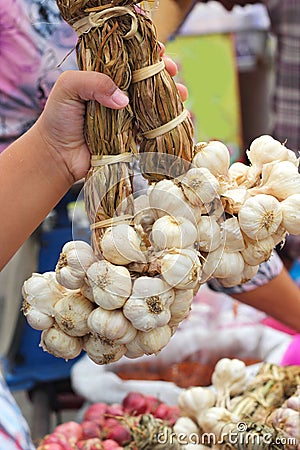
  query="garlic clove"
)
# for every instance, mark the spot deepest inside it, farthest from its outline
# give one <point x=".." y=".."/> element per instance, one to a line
<point x="266" y="149"/>
<point x="232" y="235"/>
<point x="121" y="245"/>
<point x="209" y="235"/>
<point x="181" y="268"/>
<point x="257" y="252"/>
<point x="153" y="341"/>
<point x="101" y="352"/>
<point x="173" y="232"/>
<point x="35" y="318"/>
<point x="133" y="349"/>
<point x="60" y="344"/>
<point x="71" y="314"/>
<point x="181" y="306"/>
<point x="291" y="214"/>
<point x="260" y="216"/>
<point x="213" y="155"/>
<point x="249" y="272"/>
<point x="199" y="186"/>
<point x="223" y="264"/>
<point x="111" y="285"/>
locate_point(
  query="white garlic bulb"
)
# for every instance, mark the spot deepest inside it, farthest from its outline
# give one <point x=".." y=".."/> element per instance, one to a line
<point x="111" y="285"/>
<point x="232" y="280"/>
<point x="60" y="344"/>
<point x="71" y="314"/>
<point x="249" y="272"/>
<point x="111" y="326"/>
<point x="216" y="420"/>
<point x="121" y="244"/>
<point x="171" y="232"/>
<point x="266" y="149"/>
<point x="75" y="258"/>
<point x="223" y="264"/>
<point x="292" y="157"/>
<point x="238" y="172"/>
<point x="257" y="252"/>
<point x="260" y="216"/>
<point x="199" y="186"/>
<point x="181" y="306"/>
<point x="185" y="426"/>
<point x="133" y="349"/>
<point x="143" y="213"/>
<point x="166" y="198"/>
<point x="279" y="235"/>
<point x="232" y="235"/>
<point x="213" y="155"/>
<point x="149" y="305"/>
<point x="208" y="234"/>
<point x="35" y="318"/>
<point x="87" y="292"/>
<point x="42" y="291"/>
<point x="229" y="376"/>
<point x="181" y="268"/>
<point x="233" y="199"/>
<point x="193" y="400"/>
<point x="291" y="214"/>
<point x="153" y="341"/>
<point x="102" y="352"/>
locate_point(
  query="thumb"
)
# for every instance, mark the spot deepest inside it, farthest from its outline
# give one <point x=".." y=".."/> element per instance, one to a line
<point x="85" y="85"/>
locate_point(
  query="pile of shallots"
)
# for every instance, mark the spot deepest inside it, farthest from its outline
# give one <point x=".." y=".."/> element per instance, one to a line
<point x="216" y="220"/>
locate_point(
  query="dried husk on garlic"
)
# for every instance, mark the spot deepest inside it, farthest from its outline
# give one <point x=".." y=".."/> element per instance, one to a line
<point x="153" y="341"/>
<point x="121" y="244"/>
<point x="194" y="400"/>
<point x="35" y="318"/>
<point x="232" y="235"/>
<point x="199" y="186"/>
<point x="173" y="232"/>
<point x="111" y="285"/>
<point x="60" y="344"/>
<point x="258" y="251"/>
<point x="291" y="214"/>
<point x="209" y="236"/>
<point x="260" y="216"/>
<point x="233" y="199"/>
<point x="111" y="326"/>
<point x="74" y="260"/>
<point x="237" y="172"/>
<point x="71" y="314"/>
<point x="181" y="268"/>
<point x="42" y="291"/>
<point x="213" y="155"/>
<point x="149" y="305"/>
<point x="101" y="352"/>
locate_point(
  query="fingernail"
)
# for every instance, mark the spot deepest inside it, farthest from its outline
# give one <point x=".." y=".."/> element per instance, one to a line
<point x="119" y="98"/>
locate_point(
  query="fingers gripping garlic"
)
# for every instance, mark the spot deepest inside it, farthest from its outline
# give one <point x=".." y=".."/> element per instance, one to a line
<point x="111" y="326"/>
<point x="153" y="341"/>
<point x="71" y="314"/>
<point x="208" y="234"/>
<point x="121" y="244"/>
<point x="173" y="232"/>
<point x="75" y="258"/>
<point x="111" y="285"/>
<point x="213" y="155"/>
<point x="199" y="186"/>
<point x="260" y="216"/>
<point x="291" y="214"/>
<point x="60" y="344"/>
<point x="42" y="292"/>
<point x="101" y="352"/>
<point x="149" y="305"/>
<point x="181" y="268"/>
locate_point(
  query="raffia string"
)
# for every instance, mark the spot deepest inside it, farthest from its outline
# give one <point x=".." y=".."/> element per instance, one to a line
<point x="147" y="72"/>
<point x="159" y="131"/>
<point x="99" y="160"/>
<point x="98" y="19"/>
<point x="112" y="221"/>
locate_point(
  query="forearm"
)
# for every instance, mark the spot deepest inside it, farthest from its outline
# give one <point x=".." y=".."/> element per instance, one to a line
<point x="33" y="179"/>
<point x="279" y="298"/>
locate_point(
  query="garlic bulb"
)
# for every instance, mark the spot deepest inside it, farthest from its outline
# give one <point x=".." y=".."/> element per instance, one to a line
<point x="111" y="285"/>
<point x="279" y="179"/>
<point x="153" y="341"/>
<point x="149" y="305"/>
<point x="287" y="420"/>
<point x="291" y="214"/>
<point x="233" y="199"/>
<point x="232" y="280"/>
<point x="229" y="378"/>
<point x="133" y="349"/>
<point x="260" y="216"/>
<point x="213" y="155"/>
<point x="232" y="235"/>
<point x="223" y="264"/>
<point x="71" y="314"/>
<point x="111" y="326"/>
<point x="143" y="213"/>
<point x="75" y="258"/>
<point x="266" y="149"/>
<point x="170" y="232"/>
<point x="87" y="292"/>
<point x="199" y="186"/>
<point x="121" y="244"/>
<point x="60" y="344"/>
<point x="185" y="426"/>
<point x="181" y="306"/>
<point x="101" y="352"/>
<point x="181" y="268"/>
<point x="293" y="158"/>
<point x="257" y="252"/>
<point x="193" y="400"/>
<point x="208" y="234"/>
<point x="166" y="198"/>
<point x="216" y="420"/>
<point x="35" y="318"/>
<point x="249" y="272"/>
<point x="238" y="172"/>
<point x="42" y="291"/>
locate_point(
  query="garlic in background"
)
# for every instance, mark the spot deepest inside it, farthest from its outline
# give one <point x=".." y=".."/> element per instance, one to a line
<point x="60" y="344"/>
<point x="149" y="305"/>
<point x="42" y="291"/>
<point x="111" y="326"/>
<point x="74" y="260"/>
<point x="258" y="251"/>
<point x="213" y="155"/>
<point x="111" y="285"/>
<point x="199" y="186"/>
<point x="185" y="426"/>
<point x="101" y="352"/>
<point x="208" y="234"/>
<point x="260" y="216"/>
<point x="71" y="314"/>
<point x="121" y="245"/>
<point x="195" y="400"/>
<point x="216" y="420"/>
<point x="153" y="341"/>
<point x="229" y="378"/>
<point x="173" y="232"/>
<point x="181" y="268"/>
<point x="291" y="214"/>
